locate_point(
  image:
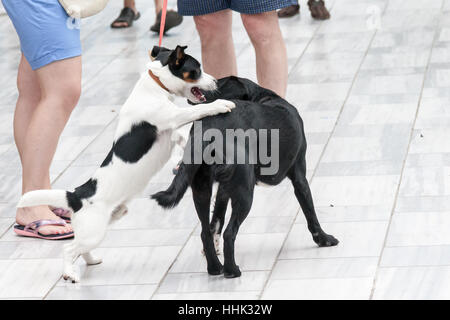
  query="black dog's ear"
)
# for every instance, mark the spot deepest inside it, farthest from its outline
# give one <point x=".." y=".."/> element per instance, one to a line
<point x="180" y="52"/>
<point x="177" y="56"/>
<point x="154" y="52"/>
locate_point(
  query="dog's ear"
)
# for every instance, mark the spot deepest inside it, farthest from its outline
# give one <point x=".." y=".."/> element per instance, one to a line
<point x="177" y="56"/>
<point x="180" y="52"/>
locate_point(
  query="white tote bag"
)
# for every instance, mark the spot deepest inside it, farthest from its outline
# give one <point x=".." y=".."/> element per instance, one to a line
<point x="83" y="8"/>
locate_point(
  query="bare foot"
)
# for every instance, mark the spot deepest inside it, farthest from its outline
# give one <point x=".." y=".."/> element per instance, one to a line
<point x="25" y="216"/>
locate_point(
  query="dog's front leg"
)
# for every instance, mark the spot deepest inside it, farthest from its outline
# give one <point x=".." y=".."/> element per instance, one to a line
<point x="188" y="115"/>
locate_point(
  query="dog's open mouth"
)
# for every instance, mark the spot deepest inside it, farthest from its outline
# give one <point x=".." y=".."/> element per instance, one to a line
<point x="198" y="94"/>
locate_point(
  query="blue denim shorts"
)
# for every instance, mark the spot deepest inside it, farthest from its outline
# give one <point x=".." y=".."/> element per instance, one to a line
<point x="201" y="7"/>
<point x="46" y="32"/>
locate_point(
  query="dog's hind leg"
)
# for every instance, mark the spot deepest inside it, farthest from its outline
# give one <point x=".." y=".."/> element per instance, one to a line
<point x="118" y="212"/>
<point x="89" y="227"/>
<point x="241" y="203"/>
<point x="73" y="250"/>
<point x="218" y="219"/>
<point x="201" y="192"/>
<point x="86" y="246"/>
<point x="297" y="174"/>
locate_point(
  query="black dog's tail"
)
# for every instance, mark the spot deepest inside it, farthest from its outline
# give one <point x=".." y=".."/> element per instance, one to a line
<point x="172" y="196"/>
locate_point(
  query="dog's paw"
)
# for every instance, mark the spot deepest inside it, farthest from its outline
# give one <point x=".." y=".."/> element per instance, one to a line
<point x="230" y="105"/>
<point x="221" y="106"/>
<point x="91" y="260"/>
<point x="215" y="270"/>
<point x="94" y="261"/>
<point x="71" y="275"/>
<point x="227" y="103"/>
<point x="325" y="240"/>
<point x="232" y="272"/>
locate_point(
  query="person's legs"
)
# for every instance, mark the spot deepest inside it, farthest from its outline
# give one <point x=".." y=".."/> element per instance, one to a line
<point x="130" y="4"/>
<point x="158" y="6"/>
<point x="218" y="56"/>
<point x="271" y="57"/>
<point x="29" y="97"/>
<point x="47" y="97"/>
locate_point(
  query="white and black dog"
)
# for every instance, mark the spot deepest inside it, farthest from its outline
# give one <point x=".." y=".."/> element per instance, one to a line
<point x="142" y="145"/>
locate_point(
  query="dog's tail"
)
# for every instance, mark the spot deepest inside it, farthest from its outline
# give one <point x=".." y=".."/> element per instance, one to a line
<point x="56" y="198"/>
<point x="173" y="195"/>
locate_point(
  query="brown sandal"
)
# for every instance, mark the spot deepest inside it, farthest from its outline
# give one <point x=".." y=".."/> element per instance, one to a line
<point x="288" y="12"/>
<point x="173" y="19"/>
<point x="127" y="15"/>
<point x="318" y="10"/>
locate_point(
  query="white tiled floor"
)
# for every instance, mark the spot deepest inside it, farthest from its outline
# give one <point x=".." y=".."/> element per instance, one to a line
<point x="376" y="108"/>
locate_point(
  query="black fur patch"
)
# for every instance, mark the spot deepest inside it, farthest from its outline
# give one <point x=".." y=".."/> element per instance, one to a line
<point x="85" y="191"/>
<point x="73" y="201"/>
<point x="133" y="145"/>
<point x="108" y="158"/>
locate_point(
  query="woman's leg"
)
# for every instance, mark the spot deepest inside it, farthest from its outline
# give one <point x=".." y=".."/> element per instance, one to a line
<point x="29" y="97"/>
<point x="218" y="57"/>
<point x="158" y="6"/>
<point x="47" y="96"/>
<point x="271" y="57"/>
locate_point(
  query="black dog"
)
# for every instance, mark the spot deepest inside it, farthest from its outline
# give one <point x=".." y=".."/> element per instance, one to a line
<point x="256" y="108"/>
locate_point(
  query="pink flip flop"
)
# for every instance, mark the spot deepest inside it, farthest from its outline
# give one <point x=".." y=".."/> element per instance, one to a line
<point x="32" y="230"/>
<point x="62" y="213"/>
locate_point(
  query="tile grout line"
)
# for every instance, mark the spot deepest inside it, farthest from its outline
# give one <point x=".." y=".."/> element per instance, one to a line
<point x="322" y="153"/>
<point x="85" y="148"/>
<point x="309" y="42"/>
<point x="173" y="262"/>
<point x="435" y="36"/>
<point x="304" y="50"/>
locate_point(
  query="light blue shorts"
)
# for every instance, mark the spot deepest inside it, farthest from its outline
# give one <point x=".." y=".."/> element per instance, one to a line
<point x="46" y="32"/>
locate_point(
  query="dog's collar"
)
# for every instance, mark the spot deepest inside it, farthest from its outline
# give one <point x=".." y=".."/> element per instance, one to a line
<point x="157" y="80"/>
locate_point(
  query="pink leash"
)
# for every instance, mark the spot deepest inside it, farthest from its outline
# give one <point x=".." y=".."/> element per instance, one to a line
<point x="163" y="22"/>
